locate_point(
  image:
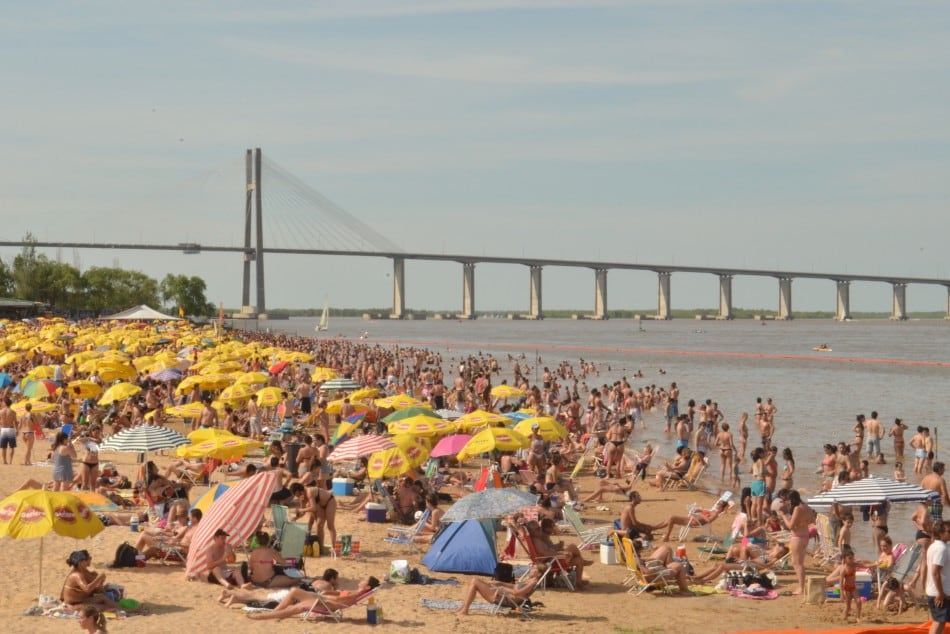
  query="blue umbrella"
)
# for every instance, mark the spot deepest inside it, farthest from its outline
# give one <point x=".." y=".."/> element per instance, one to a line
<point x="517" y="416"/>
<point x="5" y="380"/>
<point x="489" y="504"/>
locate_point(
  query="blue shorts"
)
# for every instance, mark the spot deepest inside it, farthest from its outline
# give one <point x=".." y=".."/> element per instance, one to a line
<point x="920" y="453"/>
<point x="941" y="614"/>
<point x="674" y="410"/>
<point x="682" y="443"/>
<point x="758" y="488"/>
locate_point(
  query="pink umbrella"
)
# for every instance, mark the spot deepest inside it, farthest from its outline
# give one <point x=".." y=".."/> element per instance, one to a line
<point x="238" y="511"/>
<point x="450" y="445"/>
<point x="358" y="446"/>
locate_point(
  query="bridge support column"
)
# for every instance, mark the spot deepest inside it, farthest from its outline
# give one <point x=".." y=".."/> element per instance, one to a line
<point x="399" y="289"/>
<point x="249" y="187"/>
<point x="600" y="293"/>
<point x="843" y="311"/>
<point x="725" y="297"/>
<point x="663" y="301"/>
<point x="468" y="290"/>
<point x="536" y="311"/>
<point x="899" y="308"/>
<point x="948" y="303"/>
<point x="784" y="298"/>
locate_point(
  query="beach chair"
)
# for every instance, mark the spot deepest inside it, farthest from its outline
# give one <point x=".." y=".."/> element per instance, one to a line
<point x="688" y="480"/>
<point x="884" y="573"/>
<point x="560" y="569"/>
<point x="293" y="538"/>
<point x="278" y="513"/>
<point x="694" y="509"/>
<point x="663" y="578"/>
<point x="405" y="536"/>
<point x="589" y="537"/>
<point x="322" y="607"/>
<point x="906" y="567"/>
<point x="622" y="558"/>
<point x="508" y="600"/>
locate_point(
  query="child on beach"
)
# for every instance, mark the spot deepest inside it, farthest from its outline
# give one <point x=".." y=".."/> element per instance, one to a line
<point x="846" y="573"/>
<point x="899" y="472"/>
<point x="844" y="535"/>
<point x="643" y="461"/>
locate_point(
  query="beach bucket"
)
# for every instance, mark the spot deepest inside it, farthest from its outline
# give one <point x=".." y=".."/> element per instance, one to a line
<point x="815" y="590"/>
<point x="355" y="551"/>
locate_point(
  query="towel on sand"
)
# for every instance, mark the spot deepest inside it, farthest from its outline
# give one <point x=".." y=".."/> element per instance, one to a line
<point x="449" y="604"/>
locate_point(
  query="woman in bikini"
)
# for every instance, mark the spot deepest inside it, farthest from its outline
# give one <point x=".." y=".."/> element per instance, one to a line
<point x="321" y="505"/>
<point x="267" y="566"/>
<point x="788" y="471"/>
<point x="726" y="447"/>
<point x="758" y="483"/>
<point x="798" y="522"/>
<point x="89" y="471"/>
<point x="700" y="517"/>
<point x="83" y="586"/>
<point x="743" y="436"/>
<point x="537" y="461"/>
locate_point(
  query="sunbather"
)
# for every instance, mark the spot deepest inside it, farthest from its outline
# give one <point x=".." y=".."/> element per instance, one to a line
<point x="628" y="516"/>
<point x="267" y="565"/>
<point x="738" y="556"/>
<point x="700" y="517"/>
<point x="293" y="603"/>
<point x="494" y="591"/>
<point x="546" y="547"/>
<point x="326" y="585"/>
<point x="676" y="469"/>
<point x="605" y="486"/>
<point x="83" y="586"/>
<point x="156" y="545"/>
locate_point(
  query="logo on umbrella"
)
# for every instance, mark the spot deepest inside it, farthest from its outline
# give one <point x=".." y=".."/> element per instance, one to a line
<point x="503" y="438"/>
<point x="230" y="443"/>
<point x="396" y="461"/>
<point x="7" y="512"/>
<point x="32" y="514"/>
<point x="414" y="451"/>
<point x="64" y="514"/>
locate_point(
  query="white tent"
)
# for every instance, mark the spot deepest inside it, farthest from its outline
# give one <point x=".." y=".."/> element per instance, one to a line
<point x="142" y="313"/>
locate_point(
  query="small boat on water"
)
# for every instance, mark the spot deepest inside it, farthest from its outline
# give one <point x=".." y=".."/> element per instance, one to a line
<point x="822" y="348"/>
<point x="324" y="319"/>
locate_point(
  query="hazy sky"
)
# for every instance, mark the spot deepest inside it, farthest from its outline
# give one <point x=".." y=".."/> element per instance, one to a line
<point x="797" y="135"/>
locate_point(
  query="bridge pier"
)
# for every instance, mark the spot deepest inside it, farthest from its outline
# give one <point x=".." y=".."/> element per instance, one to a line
<point x="399" y="289"/>
<point x="468" y="290"/>
<point x="535" y="311"/>
<point x="843" y="310"/>
<point x="784" y="298"/>
<point x="725" y="297"/>
<point x="663" y="301"/>
<point x="899" y="308"/>
<point x="600" y="294"/>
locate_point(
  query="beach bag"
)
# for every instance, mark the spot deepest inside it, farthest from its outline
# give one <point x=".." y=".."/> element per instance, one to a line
<point x="504" y="573"/>
<point x="312" y="546"/>
<point x="399" y="571"/>
<point x="125" y="556"/>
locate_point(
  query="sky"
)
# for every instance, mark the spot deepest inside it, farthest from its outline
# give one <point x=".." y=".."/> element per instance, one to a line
<point x="807" y="136"/>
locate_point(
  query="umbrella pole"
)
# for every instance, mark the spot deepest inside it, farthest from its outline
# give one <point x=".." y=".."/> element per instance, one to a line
<point x="39" y="592"/>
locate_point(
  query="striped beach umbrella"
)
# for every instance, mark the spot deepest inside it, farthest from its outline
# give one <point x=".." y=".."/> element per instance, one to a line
<point x="238" y="512"/>
<point x="871" y="491"/>
<point x="340" y="384"/>
<point x="407" y="412"/>
<point x="144" y="438"/>
<point x="359" y="446"/>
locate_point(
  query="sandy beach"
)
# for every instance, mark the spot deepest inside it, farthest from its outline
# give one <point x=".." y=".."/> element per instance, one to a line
<point x="176" y="604"/>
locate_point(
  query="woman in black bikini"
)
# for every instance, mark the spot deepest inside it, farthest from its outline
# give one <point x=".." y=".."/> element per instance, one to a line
<point x="83" y="586"/>
<point x="321" y="505"/>
<point x="267" y="565"/>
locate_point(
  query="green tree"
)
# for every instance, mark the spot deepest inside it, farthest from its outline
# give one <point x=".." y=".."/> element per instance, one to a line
<point x="37" y="278"/>
<point x="188" y="293"/>
<point x="117" y="288"/>
<point x="7" y="285"/>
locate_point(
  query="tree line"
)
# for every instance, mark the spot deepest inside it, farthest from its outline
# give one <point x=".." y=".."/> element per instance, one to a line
<point x="34" y="277"/>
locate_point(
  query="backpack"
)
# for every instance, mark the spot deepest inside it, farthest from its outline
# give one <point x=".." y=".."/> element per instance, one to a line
<point x="125" y="556"/>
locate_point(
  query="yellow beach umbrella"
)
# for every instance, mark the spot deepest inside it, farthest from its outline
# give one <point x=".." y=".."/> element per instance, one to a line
<point x="220" y="448"/>
<point x="238" y="392"/>
<point x="110" y="371"/>
<point x="408" y="441"/>
<point x="119" y="392"/>
<point x="188" y="410"/>
<point x="393" y="462"/>
<point x="480" y="418"/>
<point x="548" y="427"/>
<point x="335" y="407"/>
<point x="421" y="426"/>
<point x="207" y="433"/>
<point x="209" y="496"/>
<point x="364" y="393"/>
<point x="492" y="439"/>
<point x="87" y="389"/>
<point x="506" y="391"/>
<point x="39" y="407"/>
<point x="9" y="357"/>
<point x="399" y="401"/>
<point x="323" y="374"/>
<point x="255" y="378"/>
<point x="269" y="396"/>
<point x="33" y="513"/>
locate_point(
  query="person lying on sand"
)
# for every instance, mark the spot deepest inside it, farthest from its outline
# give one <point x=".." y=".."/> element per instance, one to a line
<point x="292" y="605"/>
<point x="493" y="591"/>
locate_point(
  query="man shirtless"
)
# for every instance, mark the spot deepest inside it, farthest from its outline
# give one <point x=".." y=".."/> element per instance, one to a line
<point x="628" y="516"/>
<point x="208" y="418"/>
<point x="8" y="430"/>
<point x="934" y="482"/>
<point x="254" y="418"/>
<point x="156" y="545"/>
<point x="673" y="410"/>
<point x="874" y="432"/>
<point x="920" y="452"/>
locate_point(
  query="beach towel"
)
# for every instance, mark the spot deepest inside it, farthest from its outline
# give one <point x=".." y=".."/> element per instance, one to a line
<point x="767" y="595"/>
<point x="701" y="591"/>
<point x="450" y="604"/>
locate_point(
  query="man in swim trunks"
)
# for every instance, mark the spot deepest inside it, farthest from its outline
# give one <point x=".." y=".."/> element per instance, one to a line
<point x="935" y="482"/>
<point x="8" y="427"/>
<point x="219" y="555"/>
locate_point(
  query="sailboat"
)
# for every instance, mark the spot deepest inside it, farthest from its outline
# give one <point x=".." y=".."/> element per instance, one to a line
<point x="324" y="319"/>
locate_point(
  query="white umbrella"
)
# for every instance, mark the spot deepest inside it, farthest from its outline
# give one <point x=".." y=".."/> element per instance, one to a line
<point x="489" y="504"/>
<point x="340" y="384"/>
<point x="358" y="446"/>
<point x="870" y="491"/>
<point x="144" y="438"/>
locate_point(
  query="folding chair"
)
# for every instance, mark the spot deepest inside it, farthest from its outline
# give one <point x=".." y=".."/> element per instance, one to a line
<point x="688" y="480"/>
<point x="508" y="600"/>
<point x="693" y="509"/>
<point x="293" y="540"/>
<point x="663" y="577"/>
<point x="323" y="607"/>
<point x="622" y="558"/>
<point x="906" y="567"/>
<point x="278" y="513"/>
<point x="827" y="550"/>
<point x="560" y="568"/>
<point x="588" y="537"/>
<point x="405" y="536"/>
<point x="884" y="573"/>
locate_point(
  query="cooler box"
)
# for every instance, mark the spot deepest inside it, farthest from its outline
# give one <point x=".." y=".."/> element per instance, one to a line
<point x="376" y="513"/>
<point x="608" y="554"/>
<point x="343" y="486"/>
<point x="863" y="582"/>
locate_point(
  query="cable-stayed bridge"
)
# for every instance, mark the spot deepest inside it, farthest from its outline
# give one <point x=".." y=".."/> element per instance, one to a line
<point x="300" y="221"/>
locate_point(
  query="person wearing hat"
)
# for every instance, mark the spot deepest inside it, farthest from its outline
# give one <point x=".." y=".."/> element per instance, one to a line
<point x="219" y="556"/>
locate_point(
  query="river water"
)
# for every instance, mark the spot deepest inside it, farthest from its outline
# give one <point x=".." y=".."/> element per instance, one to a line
<point x="899" y="369"/>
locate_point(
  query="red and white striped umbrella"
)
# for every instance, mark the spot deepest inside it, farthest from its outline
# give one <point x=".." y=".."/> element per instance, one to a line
<point x="359" y="446"/>
<point x="238" y="511"/>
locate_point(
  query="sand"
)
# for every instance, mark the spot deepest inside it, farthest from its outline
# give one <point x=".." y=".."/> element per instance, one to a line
<point x="178" y="605"/>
